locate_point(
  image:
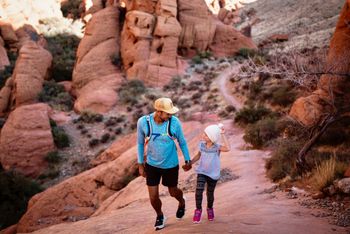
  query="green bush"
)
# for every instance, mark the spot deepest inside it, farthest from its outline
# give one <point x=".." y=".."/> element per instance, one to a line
<point x="246" y="52"/>
<point x="282" y="161"/>
<point x="60" y="137"/>
<point x="130" y="92"/>
<point x="63" y="49"/>
<point x="15" y="192"/>
<point x="55" y="95"/>
<point x="261" y="132"/>
<point x="251" y="114"/>
<point x="89" y="117"/>
<point x="7" y="72"/>
<point x="53" y="157"/>
<point x="197" y="59"/>
<point x="283" y="95"/>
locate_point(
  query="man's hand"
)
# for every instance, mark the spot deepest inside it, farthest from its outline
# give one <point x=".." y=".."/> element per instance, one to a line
<point x="187" y="166"/>
<point x="142" y="171"/>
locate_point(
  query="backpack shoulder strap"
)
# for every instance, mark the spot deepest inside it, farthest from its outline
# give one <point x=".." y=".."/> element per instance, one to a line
<point x="149" y="127"/>
<point x="169" y="129"/>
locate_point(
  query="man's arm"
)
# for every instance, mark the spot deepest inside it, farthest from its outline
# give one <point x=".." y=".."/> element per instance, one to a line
<point x="181" y="140"/>
<point x="140" y="146"/>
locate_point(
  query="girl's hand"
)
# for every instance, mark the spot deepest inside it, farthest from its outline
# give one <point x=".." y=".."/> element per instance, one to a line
<point x="187" y="167"/>
<point x="222" y="129"/>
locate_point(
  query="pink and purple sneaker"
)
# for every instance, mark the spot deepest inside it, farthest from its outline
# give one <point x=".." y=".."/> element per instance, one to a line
<point x="197" y="216"/>
<point x="210" y="212"/>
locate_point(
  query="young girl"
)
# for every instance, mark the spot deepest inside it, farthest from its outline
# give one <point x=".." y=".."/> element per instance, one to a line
<point x="208" y="170"/>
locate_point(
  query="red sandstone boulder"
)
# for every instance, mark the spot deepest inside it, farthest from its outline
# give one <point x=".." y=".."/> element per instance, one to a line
<point x="4" y="60"/>
<point x="26" y="139"/>
<point x="78" y="197"/>
<point x="28" y="76"/>
<point x="95" y="81"/>
<point x="309" y="110"/>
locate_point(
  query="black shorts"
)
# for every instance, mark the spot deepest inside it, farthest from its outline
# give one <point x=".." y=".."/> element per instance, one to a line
<point x="169" y="176"/>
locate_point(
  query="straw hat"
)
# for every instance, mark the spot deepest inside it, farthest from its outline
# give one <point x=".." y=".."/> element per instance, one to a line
<point x="166" y="105"/>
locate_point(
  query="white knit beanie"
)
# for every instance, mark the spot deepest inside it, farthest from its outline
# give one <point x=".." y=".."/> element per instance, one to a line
<point x="213" y="132"/>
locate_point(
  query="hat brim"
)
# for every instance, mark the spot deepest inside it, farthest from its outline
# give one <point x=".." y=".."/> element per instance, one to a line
<point x="172" y="111"/>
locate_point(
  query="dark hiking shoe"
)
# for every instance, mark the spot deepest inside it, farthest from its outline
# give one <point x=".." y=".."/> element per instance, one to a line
<point x="180" y="211"/>
<point x="160" y="222"/>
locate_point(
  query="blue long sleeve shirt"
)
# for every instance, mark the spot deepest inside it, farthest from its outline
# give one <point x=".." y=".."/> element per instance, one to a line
<point x="161" y="149"/>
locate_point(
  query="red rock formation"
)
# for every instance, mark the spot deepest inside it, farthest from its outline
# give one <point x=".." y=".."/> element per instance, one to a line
<point x="95" y="78"/>
<point x="152" y="34"/>
<point x="26" y="139"/>
<point x="30" y="71"/>
<point x="5" y="96"/>
<point x="202" y="31"/>
<point x="150" y="40"/>
<point x="309" y="110"/>
<point x="78" y="197"/>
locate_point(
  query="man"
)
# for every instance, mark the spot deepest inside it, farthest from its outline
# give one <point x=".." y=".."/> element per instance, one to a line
<point x="160" y="129"/>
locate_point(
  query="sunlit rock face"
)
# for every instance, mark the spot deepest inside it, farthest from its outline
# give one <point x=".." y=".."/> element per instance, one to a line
<point x="332" y="88"/>
<point x="95" y="77"/>
<point x="154" y="31"/>
<point x="29" y="127"/>
<point x="150" y="40"/>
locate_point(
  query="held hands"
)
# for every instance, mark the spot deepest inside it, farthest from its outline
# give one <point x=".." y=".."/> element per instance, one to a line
<point x="187" y="166"/>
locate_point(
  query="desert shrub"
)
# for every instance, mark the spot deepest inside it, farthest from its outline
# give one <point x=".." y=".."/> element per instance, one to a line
<point x="53" y="157"/>
<point x="105" y="137"/>
<point x="90" y="117"/>
<point x="130" y="92"/>
<point x="72" y="8"/>
<point x="230" y="108"/>
<point x="63" y="48"/>
<point x="60" y="137"/>
<point x="8" y="70"/>
<point x="254" y="89"/>
<point x="15" y="192"/>
<point x="282" y="161"/>
<point x="283" y="95"/>
<point x="326" y="172"/>
<point x="197" y="59"/>
<point x="55" y="95"/>
<point x="251" y="114"/>
<point x="246" y="52"/>
<point x="336" y="134"/>
<point x="205" y="54"/>
<point x="94" y="142"/>
<point x="261" y="132"/>
<point x="174" y="84"/>
<point x="50" y="173"/>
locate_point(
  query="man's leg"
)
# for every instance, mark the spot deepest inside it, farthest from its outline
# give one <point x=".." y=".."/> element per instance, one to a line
<point x="178" y="194"/>
<point x="156" y="203"/>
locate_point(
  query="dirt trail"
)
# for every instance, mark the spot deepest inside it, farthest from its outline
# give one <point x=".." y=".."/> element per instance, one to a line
<point x="241" y="206"/>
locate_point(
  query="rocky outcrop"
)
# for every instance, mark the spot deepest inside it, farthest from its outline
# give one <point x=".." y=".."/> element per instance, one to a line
<point x="78" y="197"/>
<point x="331" y="88"/>
<point x="149" y="41"/>
<point x="26" y="139"/>
<point x="95" y="78"/>
<point x="202" y="31"/>
<point x="29" y="74"/>
<point x="343" y="185"/>
<point x="155" y="30"/>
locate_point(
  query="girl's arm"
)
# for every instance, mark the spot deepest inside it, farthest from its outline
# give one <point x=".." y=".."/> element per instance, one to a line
<point x="196" y="157"/>
<point x="226" y="146"/>
<point x="188" y="166"/>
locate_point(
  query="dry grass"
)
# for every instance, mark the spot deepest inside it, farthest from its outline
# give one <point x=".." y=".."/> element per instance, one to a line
<point x="326" y="172"/>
